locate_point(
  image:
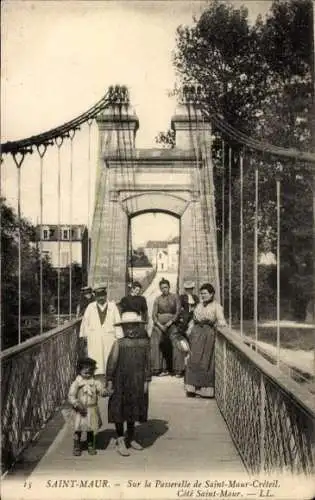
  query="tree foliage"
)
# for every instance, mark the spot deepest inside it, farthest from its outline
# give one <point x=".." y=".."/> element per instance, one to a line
<point x="258" y="78"/>
<point x="11" y="231"/>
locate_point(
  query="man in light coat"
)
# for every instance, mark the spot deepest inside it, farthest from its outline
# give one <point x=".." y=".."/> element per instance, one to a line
<point x="98" y="328"/>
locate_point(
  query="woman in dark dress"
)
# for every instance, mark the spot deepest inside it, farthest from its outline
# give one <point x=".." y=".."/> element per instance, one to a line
<point x="167" y="355"/>
<point x="135" y="302"/>
<point x="127" y="376"/>
<point x="188" y="301"/>
<point x="199" y="374"/>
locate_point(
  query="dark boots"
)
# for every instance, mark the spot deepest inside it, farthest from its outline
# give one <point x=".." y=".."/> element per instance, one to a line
<point x="91" y="443"/>
<point x="77" y="444"/>
<point x="77" y="452"/>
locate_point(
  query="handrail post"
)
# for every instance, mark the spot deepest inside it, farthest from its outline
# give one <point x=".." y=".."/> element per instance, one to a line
<point x="224" y="373"/>
<point x="262" y="418"/>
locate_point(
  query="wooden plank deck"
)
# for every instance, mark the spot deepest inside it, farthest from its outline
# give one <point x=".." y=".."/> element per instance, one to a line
<point x="182" y="434"/>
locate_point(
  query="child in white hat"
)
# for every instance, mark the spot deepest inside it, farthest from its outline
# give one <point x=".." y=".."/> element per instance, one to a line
<point x="128" y="375"/>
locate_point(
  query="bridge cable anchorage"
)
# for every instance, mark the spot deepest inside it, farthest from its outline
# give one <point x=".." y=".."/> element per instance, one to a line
<point x="41" y="149"/>
<point x="52" y="134"/>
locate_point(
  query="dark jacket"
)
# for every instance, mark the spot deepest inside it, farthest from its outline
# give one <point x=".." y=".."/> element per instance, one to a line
<point x="185" y="314"/>
<point x="134" y="303"/>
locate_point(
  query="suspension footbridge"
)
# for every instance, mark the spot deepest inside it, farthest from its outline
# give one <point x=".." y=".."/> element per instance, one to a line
<point x="261" y="421"/>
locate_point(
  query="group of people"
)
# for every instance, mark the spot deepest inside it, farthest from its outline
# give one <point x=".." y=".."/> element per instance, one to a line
<point x="115" y="344"/>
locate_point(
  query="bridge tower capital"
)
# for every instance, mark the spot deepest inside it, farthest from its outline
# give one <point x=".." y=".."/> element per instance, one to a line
<point x="118" y="123"/>
<point x="188" y="122"/>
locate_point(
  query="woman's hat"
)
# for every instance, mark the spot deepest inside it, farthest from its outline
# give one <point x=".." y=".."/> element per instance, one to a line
<point x="189" y="284"/>
<point x="129" y="317"/>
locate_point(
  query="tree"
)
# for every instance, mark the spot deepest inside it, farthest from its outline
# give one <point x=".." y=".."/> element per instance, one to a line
<point x="258" y="78"/>
<point x="29" y="277"/>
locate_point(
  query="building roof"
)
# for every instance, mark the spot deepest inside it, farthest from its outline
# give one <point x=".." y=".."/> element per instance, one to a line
<point x="174" y="240"/>
<point x="62" y="226"/>
<point x="156" y="244"/>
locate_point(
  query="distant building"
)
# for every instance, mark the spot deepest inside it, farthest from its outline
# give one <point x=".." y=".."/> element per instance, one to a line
<point x="152" y="250"/>
<point x="163" y="255"/>
<point x="50" y="235"/>
<point x="162" y="261"/>
<point x="173" y="254"/>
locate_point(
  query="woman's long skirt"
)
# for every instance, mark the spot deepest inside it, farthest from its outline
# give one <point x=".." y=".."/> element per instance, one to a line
<point x="165" y="352"/>
<point x="199" y="375"/>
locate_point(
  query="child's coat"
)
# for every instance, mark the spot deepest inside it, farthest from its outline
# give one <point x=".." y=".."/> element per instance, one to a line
<point x="86" y="392"/>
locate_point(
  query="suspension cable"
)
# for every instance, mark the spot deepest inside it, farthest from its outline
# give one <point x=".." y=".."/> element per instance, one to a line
<point x="59" y="142"/>
<point x="223" y="224"/>
<point x="1" y="202"/>
<point x="89" y="122"/>
<point x="210" y="207"/>
<point x="203" y="184"/>
<point x="134" y="201"/>
<point x="18" y="163"/>
<point x="72" y="134"/>
<point x="256" y="256"/>
<point x="242" y="138"/>
<point x="241" y="244"/>
<point x="113" y="215"/>
<point x="198" y="256"/>
<point x="127" y="171"/>
<point x="51" y="135"/>
<point x="102" y="182"/>
<point x="278" y="190"/>
<point x="230" y="237"/>
<point x="41" y="151"/>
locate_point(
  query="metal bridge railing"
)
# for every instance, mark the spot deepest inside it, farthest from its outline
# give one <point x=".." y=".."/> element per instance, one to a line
<point x="270" y="417"/>
<point x="35" y="379"/>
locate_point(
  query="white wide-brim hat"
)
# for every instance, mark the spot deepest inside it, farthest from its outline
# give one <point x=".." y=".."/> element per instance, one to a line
<point x="129" y="317"/>
<point x="189" y="284"/>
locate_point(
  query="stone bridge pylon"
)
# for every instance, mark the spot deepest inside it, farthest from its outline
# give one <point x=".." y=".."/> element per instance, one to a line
<point x="131" y="181"/>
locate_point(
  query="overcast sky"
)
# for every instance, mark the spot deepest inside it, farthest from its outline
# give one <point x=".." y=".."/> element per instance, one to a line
<point x="58" y="58"/>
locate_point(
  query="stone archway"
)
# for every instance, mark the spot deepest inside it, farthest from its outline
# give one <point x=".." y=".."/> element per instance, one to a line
<point x="132" y="181"/>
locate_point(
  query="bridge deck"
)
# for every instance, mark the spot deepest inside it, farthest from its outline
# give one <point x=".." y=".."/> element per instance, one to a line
<point x="182" y="434"/>
<point x="183" y="438"/>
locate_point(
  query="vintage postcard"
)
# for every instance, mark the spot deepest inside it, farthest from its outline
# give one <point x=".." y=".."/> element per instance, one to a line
<point x="157" y="316"/>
